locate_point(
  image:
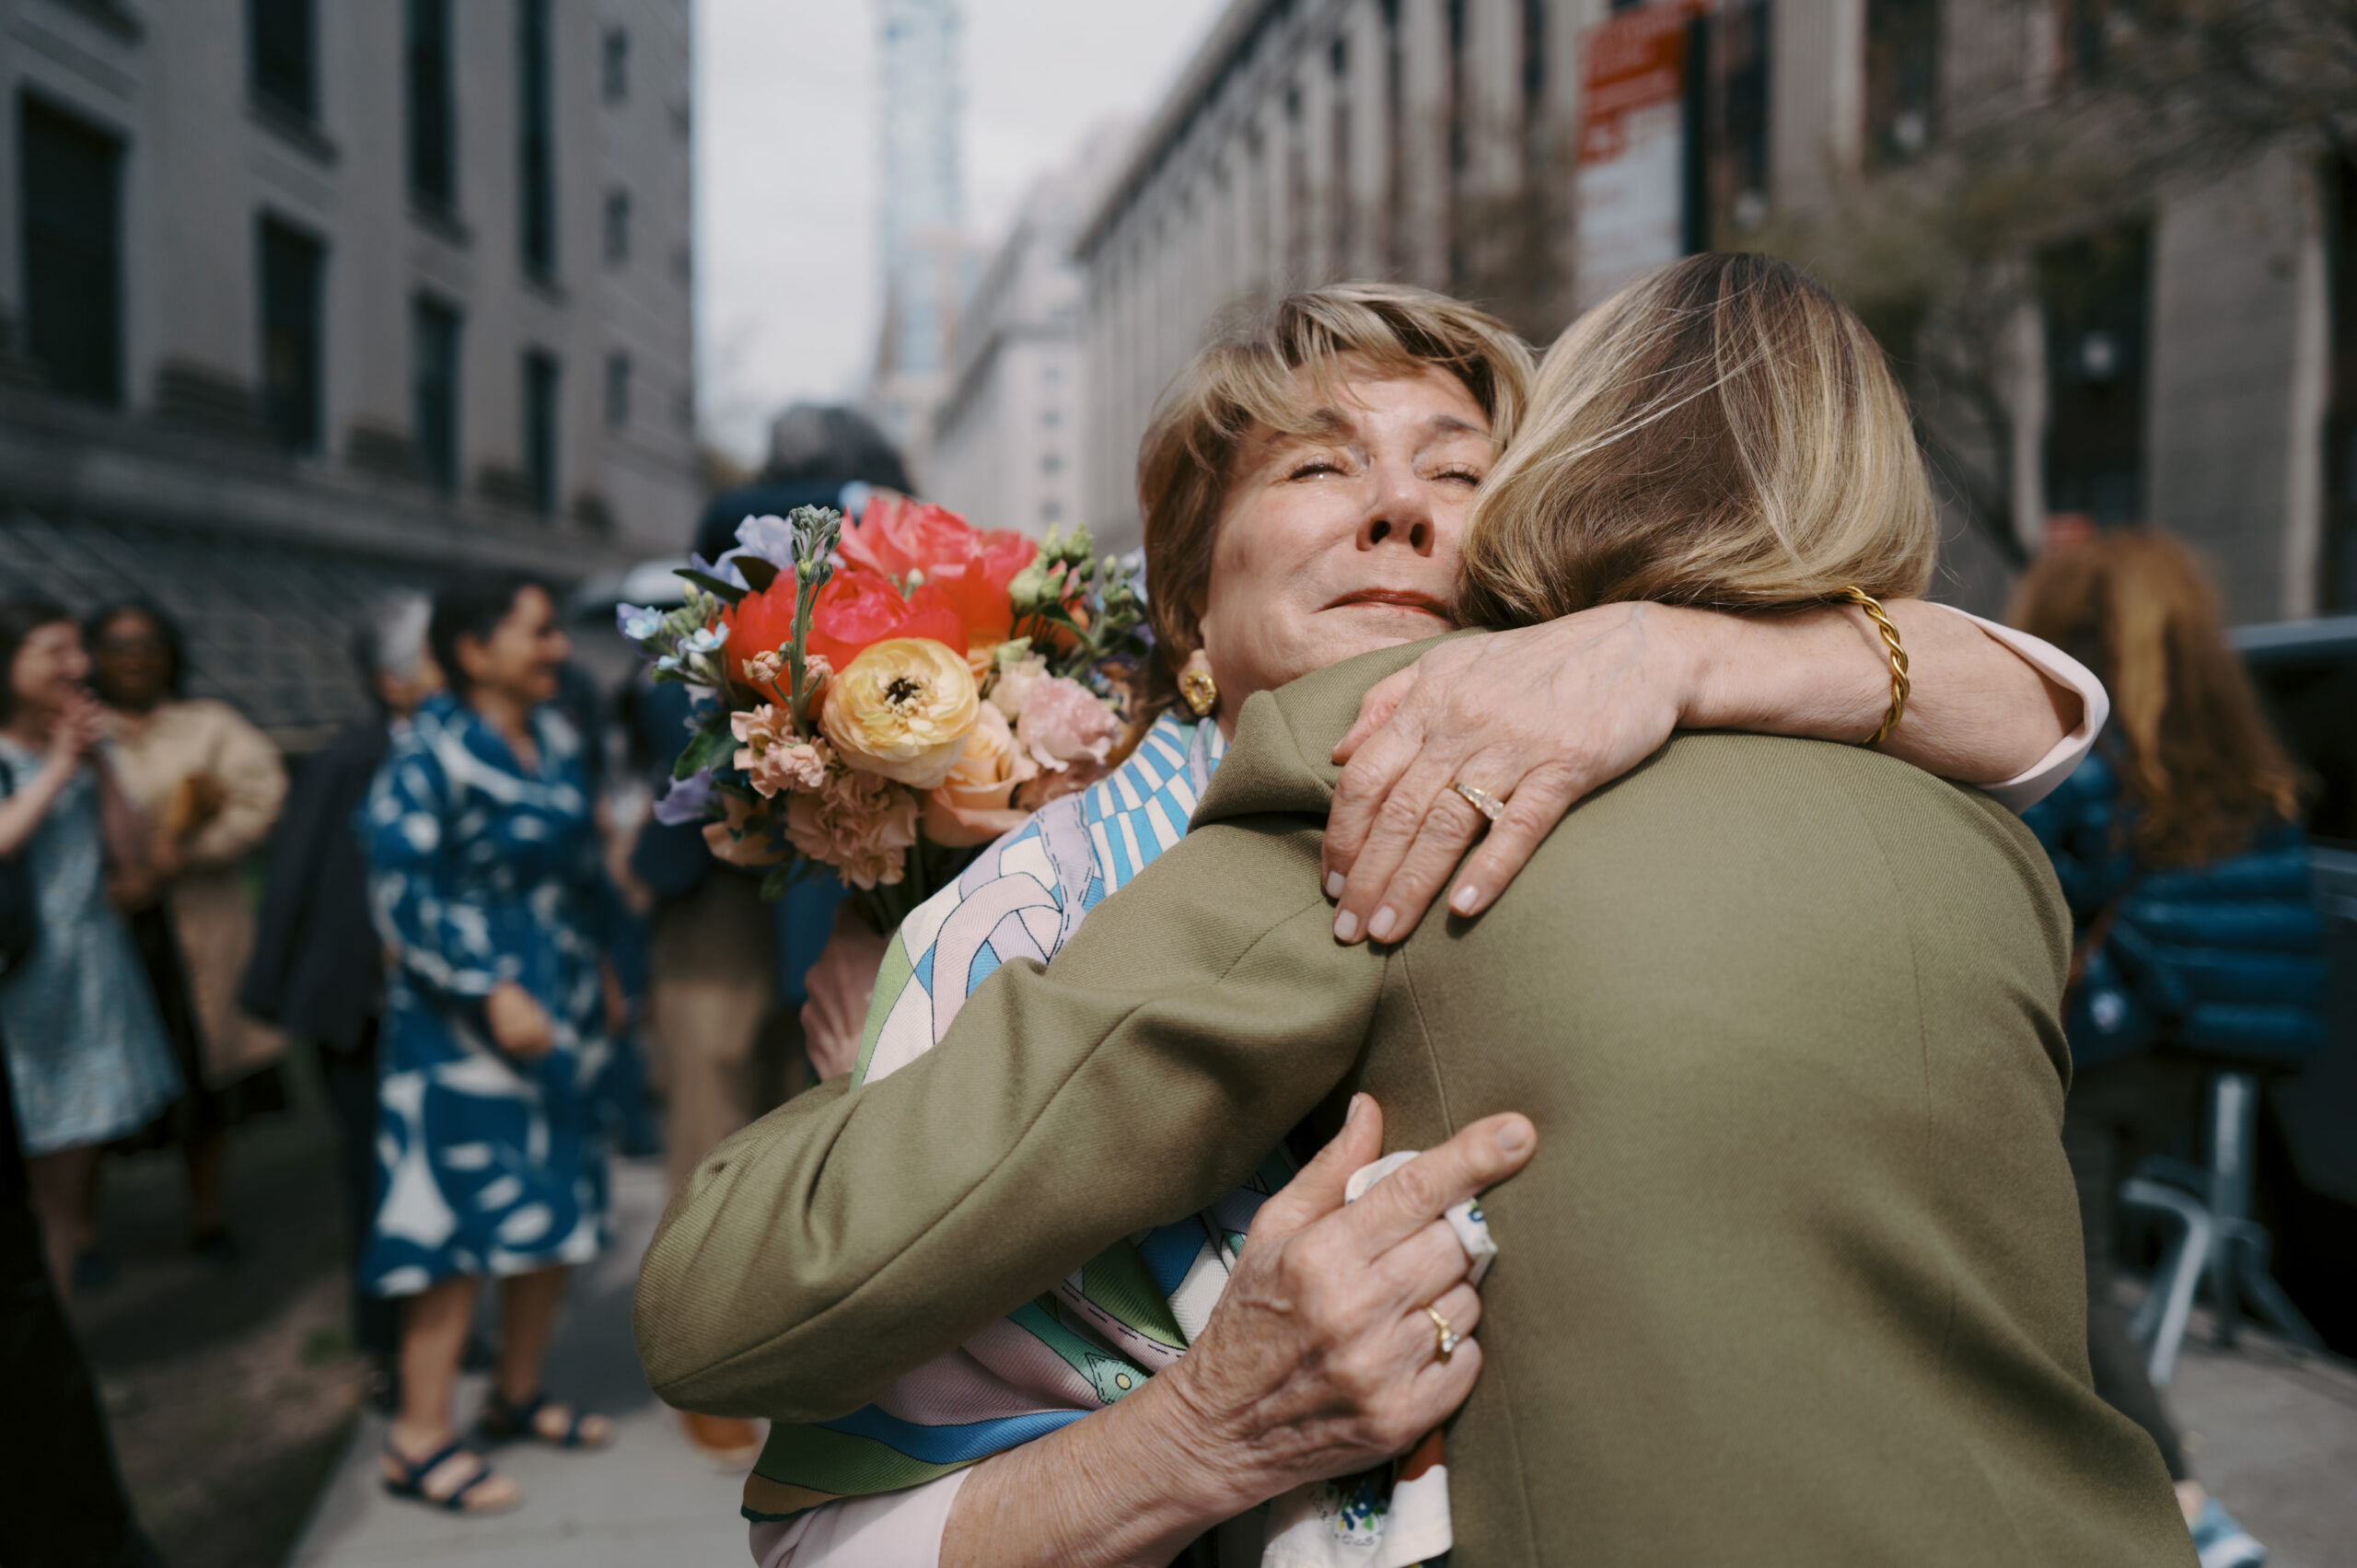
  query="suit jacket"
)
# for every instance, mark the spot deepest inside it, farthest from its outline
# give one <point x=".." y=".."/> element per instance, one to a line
<point x="318" y="970"/>
<point x="1794" y="1276"/>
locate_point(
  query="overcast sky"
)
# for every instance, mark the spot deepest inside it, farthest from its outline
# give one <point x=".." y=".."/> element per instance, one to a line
<point x="786" y="166"/>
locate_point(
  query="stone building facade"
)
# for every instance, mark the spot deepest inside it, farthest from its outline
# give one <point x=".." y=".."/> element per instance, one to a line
<point x="1005" y="448"/>
<point x="368" y="290"/>
<point x="2200" y="374"/>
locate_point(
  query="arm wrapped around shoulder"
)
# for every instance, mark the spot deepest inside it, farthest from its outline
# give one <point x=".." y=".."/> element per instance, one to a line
<point x="852" y="1234"/>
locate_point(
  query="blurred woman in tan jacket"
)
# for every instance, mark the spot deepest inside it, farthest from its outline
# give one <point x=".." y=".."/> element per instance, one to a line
<point x="212" y="786"/>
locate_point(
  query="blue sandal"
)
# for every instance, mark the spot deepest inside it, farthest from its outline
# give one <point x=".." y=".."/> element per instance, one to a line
<point x="412" y="1484"/>
<point x="502" y="1422"/>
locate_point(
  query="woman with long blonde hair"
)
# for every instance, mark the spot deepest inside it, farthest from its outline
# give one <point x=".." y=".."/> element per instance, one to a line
<point x="2179" y="845"/>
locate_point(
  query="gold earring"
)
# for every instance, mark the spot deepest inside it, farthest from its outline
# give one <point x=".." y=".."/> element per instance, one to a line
<point x="1195" y="684"/>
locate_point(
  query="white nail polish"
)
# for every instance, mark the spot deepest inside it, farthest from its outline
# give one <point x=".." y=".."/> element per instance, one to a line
<point x="1333" y="884"/>
<point x="1465" y="899"/>
<point x="1346" y="927"/>
<point x="1379" y="928"/>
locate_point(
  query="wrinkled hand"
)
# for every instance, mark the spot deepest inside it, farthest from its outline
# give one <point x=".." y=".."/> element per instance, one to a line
<point x="839" y="985"/>
<point x="518" y="1023"/>
<point x="1537" y="716"/>
<point x="1319" y="1359"/>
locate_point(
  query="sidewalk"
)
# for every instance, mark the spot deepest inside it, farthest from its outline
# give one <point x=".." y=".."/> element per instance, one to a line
<point x="2274" y="1434"/>
<point x="645" y="1499"/>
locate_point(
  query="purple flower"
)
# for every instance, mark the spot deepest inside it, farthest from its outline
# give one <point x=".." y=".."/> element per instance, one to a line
<point x="687" y="802"/>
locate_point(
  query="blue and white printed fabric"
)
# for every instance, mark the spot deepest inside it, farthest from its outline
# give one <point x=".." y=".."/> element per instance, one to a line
<point x="482" y="871"/>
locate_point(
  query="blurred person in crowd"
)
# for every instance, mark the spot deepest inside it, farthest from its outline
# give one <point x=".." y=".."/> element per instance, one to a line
<point x="318" y="968"/>
<point x="62" y="1498"/>
<point x="2178" y="846"/>
<point x="210" y="785"/>
<point x="87" y="1058"/>
<point x="484" y="877"/>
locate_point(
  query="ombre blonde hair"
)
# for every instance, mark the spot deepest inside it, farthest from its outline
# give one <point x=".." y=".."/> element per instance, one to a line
<point x="1271" y="372"/>
<point x="1722" y="433"/>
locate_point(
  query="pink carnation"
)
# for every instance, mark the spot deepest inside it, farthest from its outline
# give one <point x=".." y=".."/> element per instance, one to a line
<point x="1064" y="723"/>
<point x="772" y="757"/>
<point x="859" y="823"/>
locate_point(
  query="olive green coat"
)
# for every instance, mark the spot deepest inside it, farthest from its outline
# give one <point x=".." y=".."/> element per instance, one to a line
<point x="1794" y="1276"/>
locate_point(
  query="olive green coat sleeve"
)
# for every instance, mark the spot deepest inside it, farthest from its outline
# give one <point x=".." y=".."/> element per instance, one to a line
<point x="852" y="1235"/>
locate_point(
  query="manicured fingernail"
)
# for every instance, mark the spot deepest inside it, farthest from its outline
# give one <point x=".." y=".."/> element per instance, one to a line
<point x="1466" y="900"/>
<point x="1379" y="928"/>
<point x="1346" y="927"/>
<point x="1513" y="1137"/>
<point x="1333" y="884"/>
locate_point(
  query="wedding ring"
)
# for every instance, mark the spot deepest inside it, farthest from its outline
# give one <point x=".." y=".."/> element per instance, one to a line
<point x="1481" y="799"/>
<point x="1445" y="1341"/>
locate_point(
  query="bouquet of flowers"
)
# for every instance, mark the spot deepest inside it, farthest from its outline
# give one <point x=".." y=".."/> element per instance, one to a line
<point x="885" y="699"/>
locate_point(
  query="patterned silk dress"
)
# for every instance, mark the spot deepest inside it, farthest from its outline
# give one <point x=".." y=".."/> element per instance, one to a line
<point x="1126" y="1314"/>
<point x="481" y="871"/>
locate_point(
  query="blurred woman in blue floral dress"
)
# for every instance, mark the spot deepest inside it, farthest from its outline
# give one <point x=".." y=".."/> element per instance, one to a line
<point x="483" y="873"/>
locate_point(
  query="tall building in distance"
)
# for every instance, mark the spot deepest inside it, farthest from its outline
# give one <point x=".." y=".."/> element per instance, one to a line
<point x="302" y="300"/>
<point x="927" y="259"/>
<point x="1005" y="447"/>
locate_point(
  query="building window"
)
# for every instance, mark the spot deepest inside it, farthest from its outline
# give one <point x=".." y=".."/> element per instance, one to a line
<point x="536" y="136"/>
<point x="1052" y="511"/>
<point x="2096" y="294"/>
<point x="433" y="331"/>
<point x="2340" y="412"/>
<point x="617" y="228"/>
<point x="282" y="55"/>
<point x="541" y="373"/>
<point x="292" y="268"/>
<point x="432" y="107"/>
<point x="615" y="58"/>
<point x="1738" y="58"/>
<point x="1051" y="462"/>
<point x="1902" y="77"/>
<point x="1534" y="62"/>
<point x="617" y="390"/>
<point x="1051" y="417"/>
<point x="71" y="177"/>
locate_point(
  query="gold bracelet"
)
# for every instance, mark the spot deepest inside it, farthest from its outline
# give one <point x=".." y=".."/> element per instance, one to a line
<point x="1900" y="685"/>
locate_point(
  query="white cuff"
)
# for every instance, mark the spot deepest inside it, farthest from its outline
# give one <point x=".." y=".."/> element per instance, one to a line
<point x="2037" y="781"/>
<point x="893" y="1529"/>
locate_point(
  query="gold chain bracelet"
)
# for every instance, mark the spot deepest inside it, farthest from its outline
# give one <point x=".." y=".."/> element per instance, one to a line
<point x="1899" y="684"/>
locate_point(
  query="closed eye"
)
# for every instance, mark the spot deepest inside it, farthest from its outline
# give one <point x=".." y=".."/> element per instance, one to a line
<point x="1315" y="465"/>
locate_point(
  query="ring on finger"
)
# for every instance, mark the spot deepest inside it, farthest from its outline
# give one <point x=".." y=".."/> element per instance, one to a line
<point x="1481" y="799"/>
<point x="1444" y="1339"/>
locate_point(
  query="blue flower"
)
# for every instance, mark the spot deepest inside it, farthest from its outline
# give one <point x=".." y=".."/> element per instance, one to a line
<point x="702" y="640"/>
<point x="688" y="800"/>
<point x="637" y="621"/>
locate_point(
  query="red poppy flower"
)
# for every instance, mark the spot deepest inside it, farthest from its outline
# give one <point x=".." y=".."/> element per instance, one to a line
<point x="895" y="536"/>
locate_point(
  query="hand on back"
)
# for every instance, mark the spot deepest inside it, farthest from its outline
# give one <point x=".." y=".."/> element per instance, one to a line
<point x="1320" y="1359"/>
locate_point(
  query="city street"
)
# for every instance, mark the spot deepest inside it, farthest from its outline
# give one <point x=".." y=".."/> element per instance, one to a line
<point x="648" y="1498"/>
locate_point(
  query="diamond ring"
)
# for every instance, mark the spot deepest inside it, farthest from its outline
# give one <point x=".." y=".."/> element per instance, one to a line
<point x="1446" y="1340"/>
<point x="1481" y="799"/>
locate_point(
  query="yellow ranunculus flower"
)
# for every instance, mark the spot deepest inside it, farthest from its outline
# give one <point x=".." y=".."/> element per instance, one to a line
<point x="901" y="709"/>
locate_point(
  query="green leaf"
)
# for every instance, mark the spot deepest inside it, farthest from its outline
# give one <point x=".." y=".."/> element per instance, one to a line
<point x="719" y="588"/>
<point x="759" y="572"/>
<point x="709" y="748"/>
